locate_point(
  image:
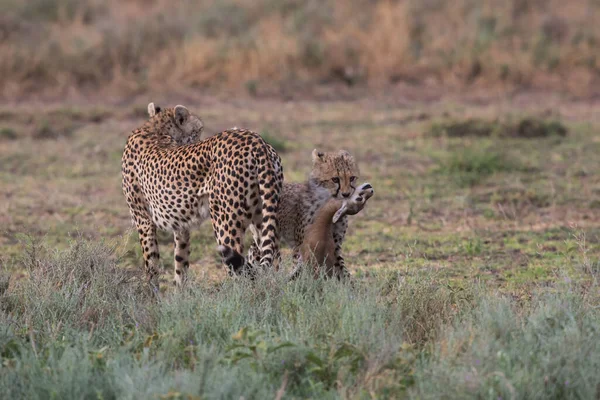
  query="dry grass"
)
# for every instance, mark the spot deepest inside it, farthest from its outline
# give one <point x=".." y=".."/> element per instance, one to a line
<point x="123" y="47"/>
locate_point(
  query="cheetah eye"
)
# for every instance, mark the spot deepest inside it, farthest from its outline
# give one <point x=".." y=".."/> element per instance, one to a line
<point x="335" y="180"/>
<point x="352" y="178"/>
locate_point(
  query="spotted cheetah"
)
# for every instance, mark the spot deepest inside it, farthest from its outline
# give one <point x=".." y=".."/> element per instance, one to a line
<point x="233" y="177"/>
<point x="333" y="175"/>
<point x="318" y="248"/>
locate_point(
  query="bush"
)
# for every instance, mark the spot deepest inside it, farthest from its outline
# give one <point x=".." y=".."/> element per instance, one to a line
<point x="61" y="46"/>
<point x="497" y="351"/>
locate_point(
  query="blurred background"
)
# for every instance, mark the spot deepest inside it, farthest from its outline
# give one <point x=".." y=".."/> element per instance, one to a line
<point x="123" y="47"/>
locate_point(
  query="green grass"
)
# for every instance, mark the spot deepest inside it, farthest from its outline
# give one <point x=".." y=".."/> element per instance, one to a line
<point x="525" y="128"/>
<point x="278" y="143"/>
<point x="468" y="166"/>
<point x="8" y="134"/>
<point x="81" y="326"/>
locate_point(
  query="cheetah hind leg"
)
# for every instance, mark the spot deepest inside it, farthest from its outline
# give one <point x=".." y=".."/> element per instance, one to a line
<point x="238" y="265"/>
<point x="356" y="203"/>
<point x="253" y="257"/>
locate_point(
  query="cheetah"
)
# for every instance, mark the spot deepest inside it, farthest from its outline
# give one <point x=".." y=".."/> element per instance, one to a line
<point x="234" y="178"/>
<point x="318" y="247"/>
<point x="333" y="176"/>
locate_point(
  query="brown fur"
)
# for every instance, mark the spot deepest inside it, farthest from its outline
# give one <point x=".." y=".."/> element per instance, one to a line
<point x="318" y="247"/>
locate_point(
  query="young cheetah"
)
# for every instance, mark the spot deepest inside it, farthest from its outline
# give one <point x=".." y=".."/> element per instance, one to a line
<point x="233" y="177"/>
<point x="333" y="176"/>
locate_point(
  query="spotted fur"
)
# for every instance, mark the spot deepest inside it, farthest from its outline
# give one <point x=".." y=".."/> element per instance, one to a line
<point x="174" y="181"/>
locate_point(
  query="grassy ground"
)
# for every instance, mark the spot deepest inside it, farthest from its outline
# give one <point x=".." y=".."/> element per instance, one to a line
<point x="502" y="209"/>
<point x="476" y="260"/>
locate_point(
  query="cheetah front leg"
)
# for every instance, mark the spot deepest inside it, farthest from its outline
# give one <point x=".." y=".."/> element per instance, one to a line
<point x="181" y="249"/>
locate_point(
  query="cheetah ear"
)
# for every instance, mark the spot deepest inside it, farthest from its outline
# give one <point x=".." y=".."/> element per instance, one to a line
<point x="317" y="156"/>
<point x="181" y="114"/>
<point x="151" y="110"/>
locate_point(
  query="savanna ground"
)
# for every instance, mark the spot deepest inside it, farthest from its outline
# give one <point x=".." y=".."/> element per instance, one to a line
<point x="476" y="263"/>
<point x="479" y="246"/>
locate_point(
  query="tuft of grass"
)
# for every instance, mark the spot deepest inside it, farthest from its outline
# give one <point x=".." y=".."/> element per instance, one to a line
<point x="278" y="143"/>
<point x="532" y="128"/>
<point x="527" y="128"/>
<point x="470" y="165"/>
<point x="496" y="351"/>
<point x="469" y="127"/>
<point x="53" y="128"/>
<point x="8" y="134"/>
<point x="252" y="87"/>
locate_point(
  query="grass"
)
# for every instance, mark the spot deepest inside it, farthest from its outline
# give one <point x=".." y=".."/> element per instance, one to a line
<point x="58" y="47"/>
<point x="468" y="166"/>
<point x="278" y="144"/>
<point x="526" y="127"/>
<point x="81" y="326"/>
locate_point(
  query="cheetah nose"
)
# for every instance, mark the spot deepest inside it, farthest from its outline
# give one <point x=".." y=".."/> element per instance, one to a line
<point x="347" y="194"/>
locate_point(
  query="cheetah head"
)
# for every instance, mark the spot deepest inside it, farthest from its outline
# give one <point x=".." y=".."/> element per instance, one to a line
<point x="336" y="171"/>
<point x="190" y="125"/>
<point x="179" y="123"/>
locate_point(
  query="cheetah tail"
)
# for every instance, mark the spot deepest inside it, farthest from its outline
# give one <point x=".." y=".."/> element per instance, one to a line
<point x="270" y="183"/>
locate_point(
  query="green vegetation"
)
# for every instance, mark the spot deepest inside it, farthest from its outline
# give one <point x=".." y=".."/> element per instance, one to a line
<point x="8" y="134"/>
<point x="527" y="127"/>
<point x="470" y="165"/>
<point x="475" y="264"/>
<point x="81" y="326"/>
<point x="280" y="145"/>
